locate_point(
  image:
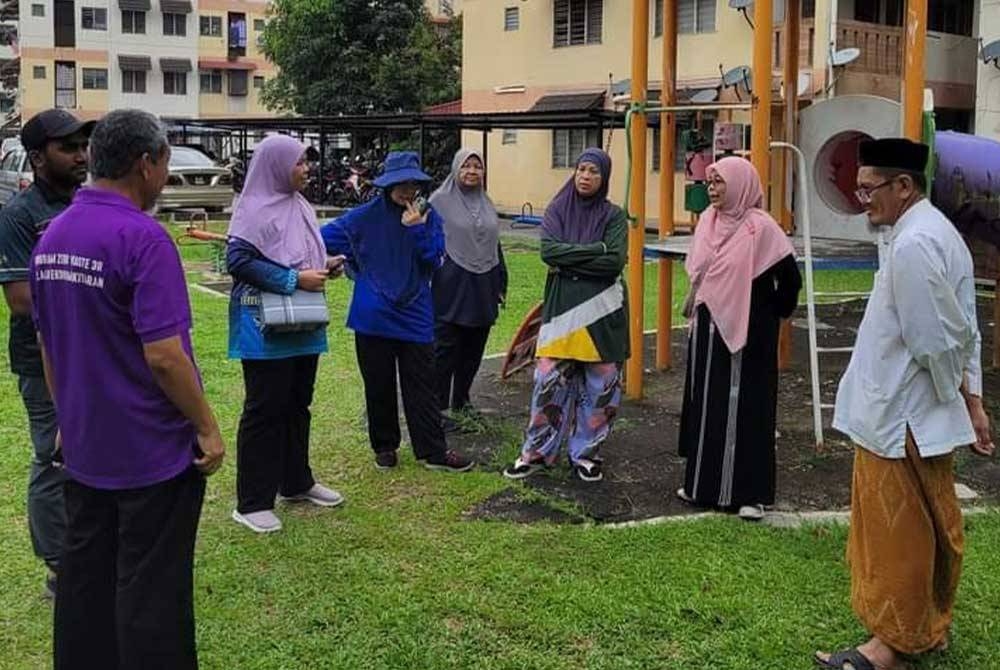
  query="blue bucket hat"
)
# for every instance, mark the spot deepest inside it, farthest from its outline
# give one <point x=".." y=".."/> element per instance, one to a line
<point x="401" y="166"/>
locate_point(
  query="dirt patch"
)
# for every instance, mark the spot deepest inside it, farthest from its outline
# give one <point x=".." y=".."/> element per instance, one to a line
<point x="642" y="469"/>
<point x="513" y="505"/>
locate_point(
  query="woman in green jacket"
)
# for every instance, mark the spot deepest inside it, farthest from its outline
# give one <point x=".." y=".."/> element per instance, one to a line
<point x="583" y="340"/>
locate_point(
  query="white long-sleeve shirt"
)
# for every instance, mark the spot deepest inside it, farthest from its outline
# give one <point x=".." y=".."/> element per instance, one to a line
<point x="917" y="342"/>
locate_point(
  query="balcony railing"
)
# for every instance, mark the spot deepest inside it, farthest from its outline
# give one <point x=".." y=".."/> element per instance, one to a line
<point x="881" y="46"/>
<point x="807" y="38"/>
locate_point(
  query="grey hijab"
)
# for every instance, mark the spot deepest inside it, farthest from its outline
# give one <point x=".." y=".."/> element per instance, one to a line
<point x="471" y="225"/>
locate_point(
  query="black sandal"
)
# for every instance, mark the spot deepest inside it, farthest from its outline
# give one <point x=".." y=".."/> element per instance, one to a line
<point x="848" y="659"/>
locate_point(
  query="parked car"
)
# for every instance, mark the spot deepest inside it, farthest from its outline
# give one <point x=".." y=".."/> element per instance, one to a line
<point x="196" y="182"/>
<point x="15" y="172"/>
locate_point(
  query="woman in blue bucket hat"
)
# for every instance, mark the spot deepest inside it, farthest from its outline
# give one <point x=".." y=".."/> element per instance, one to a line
<point x="392" y="246"/>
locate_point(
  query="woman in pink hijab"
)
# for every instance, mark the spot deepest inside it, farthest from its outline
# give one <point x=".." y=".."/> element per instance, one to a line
<point x="744" y="280"/>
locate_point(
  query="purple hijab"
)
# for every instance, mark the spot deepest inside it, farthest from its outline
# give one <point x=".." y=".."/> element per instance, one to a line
<point x="274" y="217"/>
<point x="572" y="218"/>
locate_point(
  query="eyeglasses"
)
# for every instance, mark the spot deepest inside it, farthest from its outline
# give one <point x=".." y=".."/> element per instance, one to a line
<point x="864" y="195"/>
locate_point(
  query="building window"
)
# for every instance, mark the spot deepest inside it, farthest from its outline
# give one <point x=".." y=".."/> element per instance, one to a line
<point x="211" y="26"/>
<point x="259" y="25"/>
<point x="509" y="136"/>
<point x="175" y="83"/>
<point x="696" y="16"/>
<point x="174" y="24"/>
<point x="133" y="23"/>
<point x="658" y="17"/>
<point x="94" y="18"/>
<point x="511" y="19"/>
<point x="65" y="85"/>
<point x="258" y="82"/>
<point x="238" y="83"/>
<point x="567" y="145"/>
<point x="37" y="10"/>
<point x="133" y="81"/>
<point x="38" y="72"/>
<point x="211" y="81"/>
<point x="95" y="79"/>
<point x="577" y="22"/>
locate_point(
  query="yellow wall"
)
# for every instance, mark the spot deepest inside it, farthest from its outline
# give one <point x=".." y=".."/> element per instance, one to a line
<point x="39" y="94"/>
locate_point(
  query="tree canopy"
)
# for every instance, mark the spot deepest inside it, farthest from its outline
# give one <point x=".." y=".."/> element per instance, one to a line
<point x="359" y="56"/>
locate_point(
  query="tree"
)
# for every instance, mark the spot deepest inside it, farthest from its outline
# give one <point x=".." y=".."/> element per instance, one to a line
<point x="359" y="56"/>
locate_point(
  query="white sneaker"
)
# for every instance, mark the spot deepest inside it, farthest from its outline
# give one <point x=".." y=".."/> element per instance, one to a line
<point x="318" y="495"/>
<point x="752" y="512"/>
<point x="264" y="521"/>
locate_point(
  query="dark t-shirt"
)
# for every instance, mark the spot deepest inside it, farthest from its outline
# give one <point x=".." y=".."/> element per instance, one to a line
<point x="21" y="224"/>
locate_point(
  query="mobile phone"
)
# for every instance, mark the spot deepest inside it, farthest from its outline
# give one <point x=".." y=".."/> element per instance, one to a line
<point x="334" y="263"/>
<point x="421" y="204"/>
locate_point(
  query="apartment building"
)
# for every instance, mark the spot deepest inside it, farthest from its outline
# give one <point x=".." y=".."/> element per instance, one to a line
<point x="552" y="54"/>
<point x="175" y="58"/>
<point x="443" y="9"/>
<point x="988" y="86"/>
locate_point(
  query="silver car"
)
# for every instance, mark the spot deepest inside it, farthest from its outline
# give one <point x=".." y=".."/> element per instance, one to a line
<point x="15" y="172"/>
<point x="196" y="182"/>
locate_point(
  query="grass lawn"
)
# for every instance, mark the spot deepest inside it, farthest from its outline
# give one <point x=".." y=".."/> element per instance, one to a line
<point x="398" y="579"/>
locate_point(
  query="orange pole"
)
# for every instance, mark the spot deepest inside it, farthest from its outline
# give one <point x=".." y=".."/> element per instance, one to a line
<point x="914" y="53"/>
<point x="668" y="143"/>
<point x="760" y="115"/>
<point x="637" y="232"/>
<point x="782" y="205"/>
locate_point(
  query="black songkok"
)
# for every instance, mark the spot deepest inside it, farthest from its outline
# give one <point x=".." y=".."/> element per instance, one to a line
<point x="894" y="153"/>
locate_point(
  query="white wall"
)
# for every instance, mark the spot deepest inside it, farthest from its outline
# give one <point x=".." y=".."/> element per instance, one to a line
<point x="36" y="31"/>
<point x="988" y="86"/>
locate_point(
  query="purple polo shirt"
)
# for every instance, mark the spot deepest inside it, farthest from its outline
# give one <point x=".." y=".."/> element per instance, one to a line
<point x="106" y="279"/>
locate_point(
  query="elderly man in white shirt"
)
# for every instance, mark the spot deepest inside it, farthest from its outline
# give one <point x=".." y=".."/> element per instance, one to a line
<point x="911" y="395"/>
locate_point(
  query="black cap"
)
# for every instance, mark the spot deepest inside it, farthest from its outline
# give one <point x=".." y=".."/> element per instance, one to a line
<point x="894" y="153"/>
<point x="52" y="124"/>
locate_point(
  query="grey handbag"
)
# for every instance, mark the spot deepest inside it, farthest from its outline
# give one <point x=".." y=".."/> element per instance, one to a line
<point x="300" y="311"/>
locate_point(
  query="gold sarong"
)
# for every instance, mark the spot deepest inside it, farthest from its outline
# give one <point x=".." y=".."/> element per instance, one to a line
<point x="905" y="547"/>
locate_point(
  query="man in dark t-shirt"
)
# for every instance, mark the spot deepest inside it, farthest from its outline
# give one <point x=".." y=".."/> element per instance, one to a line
<point x="56" y="142"/>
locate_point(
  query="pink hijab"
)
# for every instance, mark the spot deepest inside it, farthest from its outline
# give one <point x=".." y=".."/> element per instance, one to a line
<point x="733" y="245"/>
<point x="274" y="217"/>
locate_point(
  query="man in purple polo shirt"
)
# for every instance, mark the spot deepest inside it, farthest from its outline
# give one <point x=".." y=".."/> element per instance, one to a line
<point x="138" y="438"/>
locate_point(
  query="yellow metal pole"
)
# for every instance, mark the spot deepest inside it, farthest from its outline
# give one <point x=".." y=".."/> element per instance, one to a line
<point x="914" y="53"/>
<point x="760" y="116"/>
<point x="782" y="205"/>
<point x="668" y="136"/>
<point x="637" y="232"/>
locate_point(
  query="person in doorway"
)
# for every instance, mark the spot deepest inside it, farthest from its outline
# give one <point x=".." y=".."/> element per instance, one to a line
<point x="56" y="143"/>
<point x="113" y="316"/>
<point x="911" y="395"/>
<point x="744" y="281"/>
<point x="471" y="283"/>
<point x="393" y="246"/>
<point x="583" y="341"/>
<point x="275" y="246"/>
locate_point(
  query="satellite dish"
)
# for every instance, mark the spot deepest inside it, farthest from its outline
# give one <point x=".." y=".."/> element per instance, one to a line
<point x="622" y="87"/>
<point x="704" y="97"/>
<point x="991" y="52"/>
<point x="845" y="56"/>
<point x="740" y="4"/>
<point x="736" y="76"/>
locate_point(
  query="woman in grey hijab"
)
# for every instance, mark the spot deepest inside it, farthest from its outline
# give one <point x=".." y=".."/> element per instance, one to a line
<point x="470" y="285"/>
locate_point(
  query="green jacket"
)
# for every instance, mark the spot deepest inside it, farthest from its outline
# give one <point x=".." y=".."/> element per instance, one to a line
<point x="585" y="313"/>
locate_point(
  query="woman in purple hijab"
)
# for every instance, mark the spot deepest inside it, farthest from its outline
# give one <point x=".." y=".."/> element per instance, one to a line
<point x="275" y="247"/>
<point x="584" y="335"/>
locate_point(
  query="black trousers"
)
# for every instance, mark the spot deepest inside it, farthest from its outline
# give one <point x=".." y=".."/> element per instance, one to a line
<point x="379" y="358"/>
<point x="272" y="444"/>
<point x="458" y="352"/>
<point x="124" y="596"/>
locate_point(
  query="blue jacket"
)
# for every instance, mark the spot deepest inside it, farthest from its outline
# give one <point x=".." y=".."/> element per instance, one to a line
<point x="252" y="273"/>
<point x="386" y="258"/>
